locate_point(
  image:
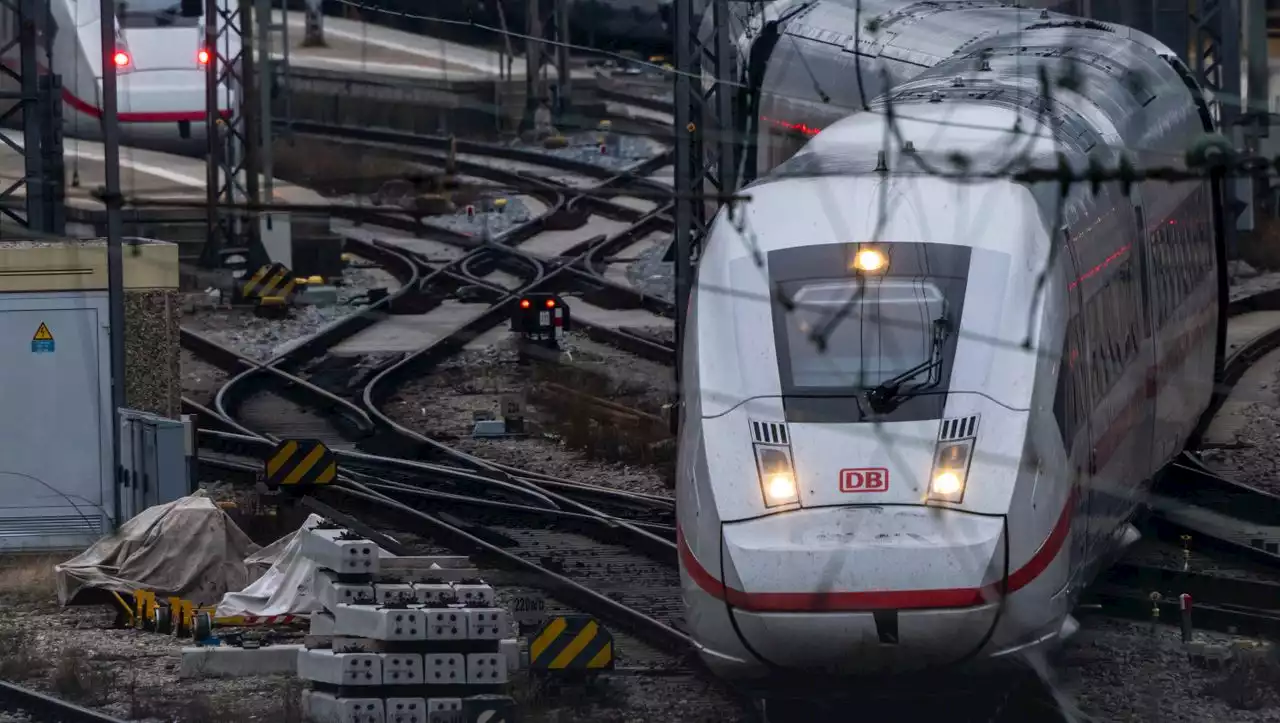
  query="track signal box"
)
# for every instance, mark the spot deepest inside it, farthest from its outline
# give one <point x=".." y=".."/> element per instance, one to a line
<point x="541" y="316"/>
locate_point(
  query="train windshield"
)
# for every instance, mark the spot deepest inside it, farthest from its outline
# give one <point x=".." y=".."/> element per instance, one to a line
<point x="160" y="13"/>
<point x="858" y="346"/>
<point x="846" y="333"/>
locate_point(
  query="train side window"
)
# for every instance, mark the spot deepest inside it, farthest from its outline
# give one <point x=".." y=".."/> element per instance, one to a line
<point x="1063" y="406"/>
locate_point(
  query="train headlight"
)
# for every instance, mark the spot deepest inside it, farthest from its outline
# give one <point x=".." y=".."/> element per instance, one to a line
<point x="950" y="471"/>
<point x="777" y="477"/>
<point x="870" y="260"/>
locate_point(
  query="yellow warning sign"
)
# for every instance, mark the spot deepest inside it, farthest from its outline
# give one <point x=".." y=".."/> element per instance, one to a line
<point x="42" y="342"/>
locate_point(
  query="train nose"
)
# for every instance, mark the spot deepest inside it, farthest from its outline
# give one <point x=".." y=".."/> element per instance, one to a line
<point x="865" y="589"/>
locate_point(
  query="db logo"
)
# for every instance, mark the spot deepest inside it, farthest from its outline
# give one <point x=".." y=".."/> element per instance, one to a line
<point x="871" y="479"/>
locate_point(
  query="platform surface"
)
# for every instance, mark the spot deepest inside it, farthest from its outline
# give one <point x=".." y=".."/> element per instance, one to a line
<point x="362" y="48"/>
<point x="143" y="173"/>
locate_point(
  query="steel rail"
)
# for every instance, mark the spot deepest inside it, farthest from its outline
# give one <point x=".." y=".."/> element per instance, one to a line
<point x="443" y="143"/>
<point x="570" y="591"/>
<point x="46" y="707"/>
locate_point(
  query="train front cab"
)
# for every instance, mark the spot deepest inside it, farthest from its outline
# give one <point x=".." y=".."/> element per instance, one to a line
<point x="819" y="533"/>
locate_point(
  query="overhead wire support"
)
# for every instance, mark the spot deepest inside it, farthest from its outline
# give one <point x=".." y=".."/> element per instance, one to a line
<point x="233" y="136"/>
<point x="705" y="150"/>
<point x="546" y="20"/>
<point x="113" y="199"/>
<point x="33" y="21"/>
<point x="1215" y="60"/>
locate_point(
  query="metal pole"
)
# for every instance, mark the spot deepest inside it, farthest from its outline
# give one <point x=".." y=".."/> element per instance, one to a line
<point x="564" y="88"/>
<point x="266" y="76"/>
<point x="727" y="168"/>
<point x="685" y="66"/>
<point x="115" y="255"/>
<point x="249" y="116"/>
<point x="32" y="109"/>
<point x="533" y="62"/>
<point x="212" y="118"/>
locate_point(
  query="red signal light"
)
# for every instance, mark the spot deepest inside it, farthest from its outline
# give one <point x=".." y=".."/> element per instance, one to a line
<point x="203" y="57"/>
<point x="551" y="303"/>
<point x="121" y="58"/>
<point x="524" y="303"/>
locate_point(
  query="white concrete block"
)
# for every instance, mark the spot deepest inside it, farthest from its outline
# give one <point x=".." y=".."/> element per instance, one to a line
<point x="332" y="593"/>
<point x="368" y="621"/>
<point x="486" y="668"/>
<point x="226" y="662"/>
<point x="320" y="707"/>
<point x="433" y="592"/>
<point x="446" y="624"/>
<point x="393" y="592"/>
<point x="326" y="666"/>
<point x="474" y="594"/>
<point x="321" y="623"/>
<point x="444" y="710"/>
<point x="406" y="710"/>
<point x="487" y="623"/>
<point x="401" y="668"/>
<point x="510" y="649"/>
<point x="444" y="668"/>
<point x="329" y="549"/>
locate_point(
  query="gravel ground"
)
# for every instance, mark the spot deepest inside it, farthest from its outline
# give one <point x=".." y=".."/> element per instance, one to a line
<point x="1256" y="457"/>
<point x="1245" y="280"/>
<point x="516" y="213"/>
<point x="1116" y="671"/>
<point x="443" y="406"/>
<point x="200" y="379"/>
<point x="651" y="275"/>
<point x="76" y="654"/>
<point x="261" y="339"/>
<point x="624" y="152"/>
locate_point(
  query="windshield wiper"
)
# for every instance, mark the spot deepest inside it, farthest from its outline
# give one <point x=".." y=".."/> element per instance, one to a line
<point x="885" y="396"/>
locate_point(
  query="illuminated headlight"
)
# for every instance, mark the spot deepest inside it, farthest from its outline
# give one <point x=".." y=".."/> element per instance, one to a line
<point x="950" y="471"/>
<point x="777" y="477"/>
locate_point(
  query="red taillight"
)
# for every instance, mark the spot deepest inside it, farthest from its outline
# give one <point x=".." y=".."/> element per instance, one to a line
<point x="551" y="303"/>
<point x="203" y="57"/>
<point x="524" y="303"/>
<point x="121" y="58"/>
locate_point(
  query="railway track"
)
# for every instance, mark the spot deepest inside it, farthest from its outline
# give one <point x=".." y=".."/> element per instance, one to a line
<point x="30" y="705"/>
<point x="1237" y="588"/>
<point x="584" y="545"/>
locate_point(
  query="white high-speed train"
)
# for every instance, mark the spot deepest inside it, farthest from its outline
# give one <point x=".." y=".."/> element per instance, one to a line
<point x="899" y="451"/>
<point x="160" y="58"/>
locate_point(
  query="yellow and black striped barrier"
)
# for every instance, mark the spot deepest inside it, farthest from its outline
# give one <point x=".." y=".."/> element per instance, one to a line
<point x="571" y="643"/>
<point x="300" y="463"/>
<point x="275" y="280"/>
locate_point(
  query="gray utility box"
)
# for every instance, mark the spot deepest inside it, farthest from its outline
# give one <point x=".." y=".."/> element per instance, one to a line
<point x="153" y="461"/>
<point x="55" y="420"/>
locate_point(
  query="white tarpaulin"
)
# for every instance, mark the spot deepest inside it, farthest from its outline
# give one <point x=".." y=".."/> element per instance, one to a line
<point x="188" y="547"/>
<point x="285" y="588"/>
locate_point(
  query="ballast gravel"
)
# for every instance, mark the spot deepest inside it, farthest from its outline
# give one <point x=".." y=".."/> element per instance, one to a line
<point x="624" y="151"/>
<point x="261" y="339"/>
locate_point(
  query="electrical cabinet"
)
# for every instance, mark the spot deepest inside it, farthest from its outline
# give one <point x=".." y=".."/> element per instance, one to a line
<point x="153" y="461"/>
<point x="55" y="421"/>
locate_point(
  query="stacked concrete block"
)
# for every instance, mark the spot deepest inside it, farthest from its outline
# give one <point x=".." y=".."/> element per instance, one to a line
<point x="414" y="647"/>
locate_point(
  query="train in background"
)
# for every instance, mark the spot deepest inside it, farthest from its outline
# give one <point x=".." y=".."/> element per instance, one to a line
<point x="639" y="27"/>
<point x="899" y="453"/>
<point x="161" y="61"/>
